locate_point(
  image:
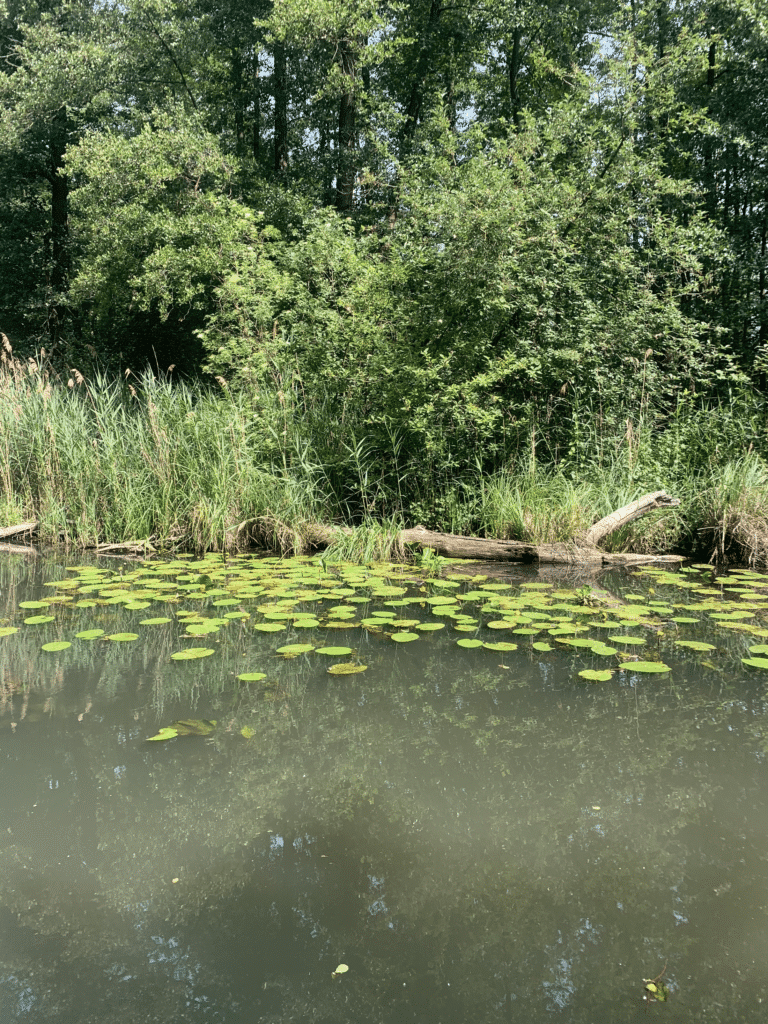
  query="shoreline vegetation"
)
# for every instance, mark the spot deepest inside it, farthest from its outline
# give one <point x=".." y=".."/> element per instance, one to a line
<point x="183" y="466"/>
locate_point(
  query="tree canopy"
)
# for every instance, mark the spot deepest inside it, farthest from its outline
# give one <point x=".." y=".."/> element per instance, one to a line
<point x="450" y="225"/>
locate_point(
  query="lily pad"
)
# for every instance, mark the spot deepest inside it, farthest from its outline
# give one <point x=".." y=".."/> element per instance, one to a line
<point x="469" y="643"/>
<point x="36" y="620"/>
<point x="343" y="669"/>
<point x="405" y="638"/>
<point x="755" y="662"/>
<point x="596" y="675"/>
<point x="251" y="677"/>
<point x="269" y="627"/>
<point x="166" y="733"/>
<point x="334" y="651"/>
<point x="293" y="649"/>
<point x="8" y="630"/>
<point x="696" y="645"/>
<point x="192" y="653"/>
<point x="430" y="627"/>
<point x="57" y="645"/>
<point x="122" y="636"/>
<point x="650" y="667"/>
<point x="541" y="645"/>
<point x="501" y="646"/>
<point x="90" y="634"/>
<point x="627" y="639"/>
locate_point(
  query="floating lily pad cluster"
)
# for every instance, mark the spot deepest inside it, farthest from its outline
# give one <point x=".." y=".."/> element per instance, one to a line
<point x="323" y="611"/>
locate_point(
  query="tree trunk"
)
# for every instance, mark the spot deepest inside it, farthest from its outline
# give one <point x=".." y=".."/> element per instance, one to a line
<point x="280" y="86"/>
<point x="513" y="71"/>
<point x="415" y="99"/>
<point x="345" y="175"/>
<point x="59" y="202"/>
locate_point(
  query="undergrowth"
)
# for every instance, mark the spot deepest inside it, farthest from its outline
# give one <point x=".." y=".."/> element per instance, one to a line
<point x="210" y="468"/>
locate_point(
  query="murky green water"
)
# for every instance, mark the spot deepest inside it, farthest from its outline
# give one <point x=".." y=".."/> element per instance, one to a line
<point x="479" y="834"/>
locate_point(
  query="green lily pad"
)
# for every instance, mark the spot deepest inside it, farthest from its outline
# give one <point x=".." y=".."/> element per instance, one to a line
<point x="269" y="627"/>
<point x="90" y="634"/>
<point x="430" y="627"/>
<point x="343" y="669"/>
<point x="57" y="645"/>
<point x="167" y="733"/>
<point x="122" y="636"/>
<point x="469" y="643"/>
<point x="293" y="649"/>
<point x="541" y="645"/>
<point x="334" y="651"/>
<point x="405" y="638"/>
<point x="627" y="639"/>
<point x="502" y="623"/>
<point x="758" y="649"/>
<point x="651" y="667"/>
<point x="696" y="645"/>
<point x="8" y="630"/>
<point x="501" y="646"/>
<point x="192" y="653"/>
<point x="251" y="677"/>
<point x="596" y="675"/>
<point x="36" y="620"/>
<point x="34" y="604"/>
<point x="755" y="662"/>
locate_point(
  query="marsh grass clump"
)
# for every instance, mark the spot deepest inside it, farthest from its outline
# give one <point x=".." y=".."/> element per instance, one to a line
<point x="143" y="457"/>
<point x="731" y="512"/>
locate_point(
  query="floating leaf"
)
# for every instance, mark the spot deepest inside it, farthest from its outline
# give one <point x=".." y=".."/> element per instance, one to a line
<point x="8" y="630"/>
<point x="34" y="604"/>
<point x="540" y="645"/>
<point x="269" y="627"/>
<point x="501" y="646"/>
<point x="334" y="651"/>
<point x="36" y="620"/>
<point x="430" y="627"/>
<point x="469" y="643"/>
<point x="758" y="649"/>
<point x="90" y="634"/>
<point x="755" y="662"/>
<point x="645" y="666"/>
<point x="595" y="675"/>
<point x="57" y="645"/>
<point x="627" y="639"/>
<point x="122" y="636"/>
<point x="341" y="969"/>
<point x="405" y="638"/>
<point x="247" y="732"/>
<point x="192" y="653"/>
<point x="343" y="669"/>
<point x="251" y="677"/>
<point x="293" y="649"/>
<point x="696" y="645"/>
<point x="166" y="733"/>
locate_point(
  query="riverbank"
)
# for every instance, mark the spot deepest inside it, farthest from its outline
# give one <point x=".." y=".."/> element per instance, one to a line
<point x="190" y="468"/>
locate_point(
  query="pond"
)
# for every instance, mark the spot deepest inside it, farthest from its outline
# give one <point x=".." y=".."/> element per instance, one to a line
<point x="490" y="798"/>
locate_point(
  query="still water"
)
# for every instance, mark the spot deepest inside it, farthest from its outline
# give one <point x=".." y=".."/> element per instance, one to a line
<point x="478" y="834"/>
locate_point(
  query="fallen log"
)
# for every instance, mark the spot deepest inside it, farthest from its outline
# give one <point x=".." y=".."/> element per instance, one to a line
<point x="581" y="550"/>
<point x="15" y="531"/>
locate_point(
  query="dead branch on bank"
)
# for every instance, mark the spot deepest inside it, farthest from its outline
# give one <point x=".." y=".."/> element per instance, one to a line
<point x="581" y="550"/>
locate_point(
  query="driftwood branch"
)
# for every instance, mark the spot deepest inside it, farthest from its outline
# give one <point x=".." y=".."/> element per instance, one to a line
<point x="626" y="514"/>
<point x="581" y="550"/>
<point x="16" y="531"/>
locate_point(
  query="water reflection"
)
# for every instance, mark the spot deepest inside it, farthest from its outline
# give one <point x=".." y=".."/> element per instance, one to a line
<point x="478" y="839"/>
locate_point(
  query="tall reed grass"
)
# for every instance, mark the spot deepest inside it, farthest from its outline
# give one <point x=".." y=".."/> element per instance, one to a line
<point x="111" y="460"/>
<point x="209" y="468"/>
